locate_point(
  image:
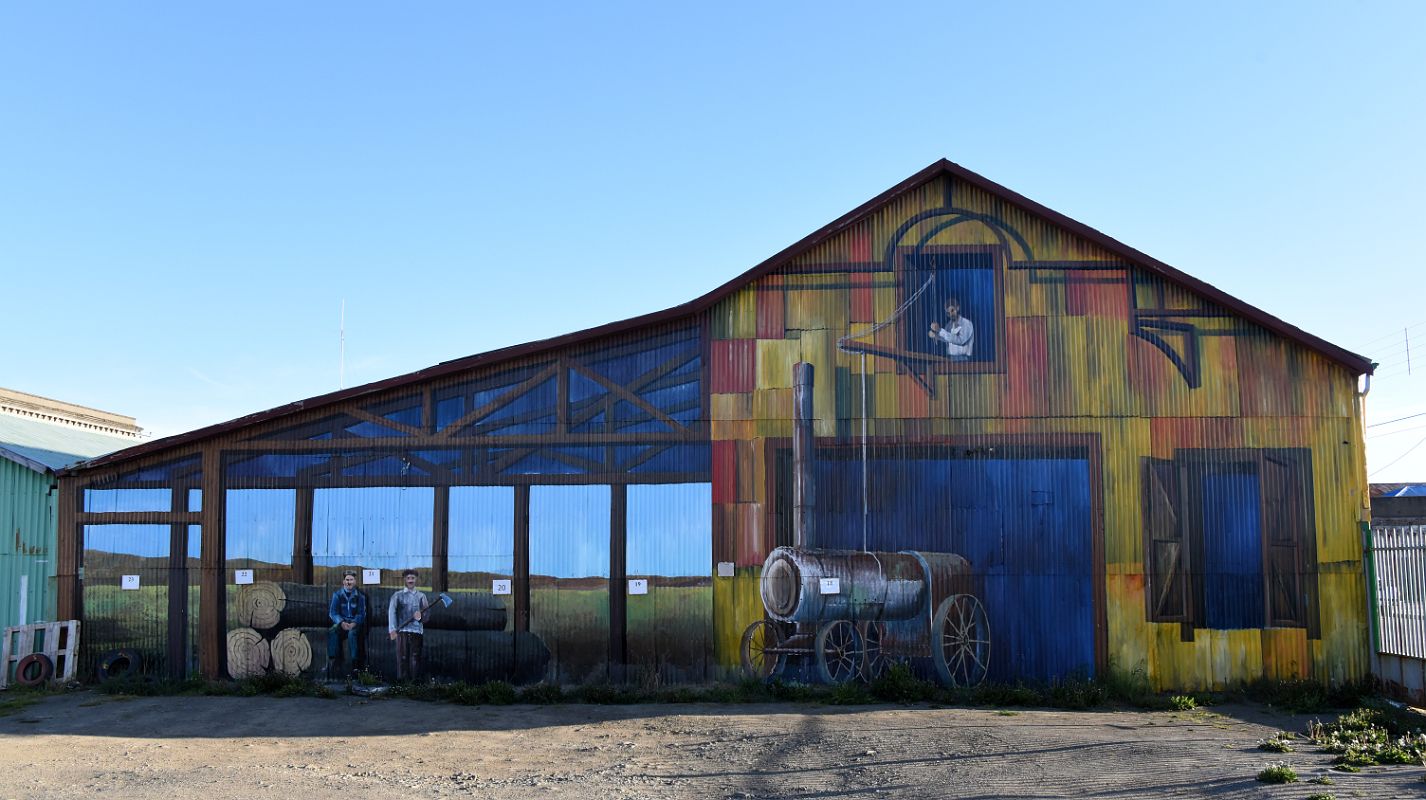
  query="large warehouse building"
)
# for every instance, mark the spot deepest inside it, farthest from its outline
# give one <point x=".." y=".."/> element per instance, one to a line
<point x="952" y="427"/>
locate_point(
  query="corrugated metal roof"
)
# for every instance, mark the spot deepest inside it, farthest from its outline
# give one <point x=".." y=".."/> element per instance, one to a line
<point x="1354" y="362"/>
<point x="45" y="446"/>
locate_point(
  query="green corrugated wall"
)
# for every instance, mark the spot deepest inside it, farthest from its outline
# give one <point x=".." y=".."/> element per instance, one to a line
<point x="27" y="542"/>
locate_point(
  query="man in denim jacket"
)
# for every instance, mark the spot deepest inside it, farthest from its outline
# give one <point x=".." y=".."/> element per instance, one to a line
<point x="348" y="614"/>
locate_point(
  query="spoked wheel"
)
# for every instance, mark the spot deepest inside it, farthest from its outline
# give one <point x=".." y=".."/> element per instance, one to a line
<point x="960" y="641"/>
<point x="761" y="659"/>
<point x="840" y="652"/>
<point x="876" y="660"/>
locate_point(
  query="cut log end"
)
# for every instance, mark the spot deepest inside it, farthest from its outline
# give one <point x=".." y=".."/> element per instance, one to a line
<point x="248" y="653"/>
<point x="291" y="652"/>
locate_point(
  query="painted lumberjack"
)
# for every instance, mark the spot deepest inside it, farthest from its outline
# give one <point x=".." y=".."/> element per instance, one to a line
<point x="407" y="606"/>
<point x="348" y="614"/>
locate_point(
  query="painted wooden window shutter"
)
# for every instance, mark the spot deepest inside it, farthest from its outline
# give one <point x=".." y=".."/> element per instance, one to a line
<point x="1165" y="552"/>
<point x="1289" y="549"/>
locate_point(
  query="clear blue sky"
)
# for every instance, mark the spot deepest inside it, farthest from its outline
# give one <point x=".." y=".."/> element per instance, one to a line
<point x="188" y="192"/>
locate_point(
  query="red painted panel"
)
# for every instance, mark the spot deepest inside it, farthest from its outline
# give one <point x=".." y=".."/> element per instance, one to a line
<point x="1029" y="366"/>
<point x="732" y="367"/>
<point x="1101" y="294"/>
<point x="862" y="310"/>
<point x="772" y="309"/>
<point x="725" y="472"/>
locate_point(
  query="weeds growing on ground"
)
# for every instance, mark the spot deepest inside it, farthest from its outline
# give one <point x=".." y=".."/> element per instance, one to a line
<point x="1369" y="736"/>
<point x="1183" y="702"/>
<point x="1278" y="772"/>
<point x="1280" y="742"/>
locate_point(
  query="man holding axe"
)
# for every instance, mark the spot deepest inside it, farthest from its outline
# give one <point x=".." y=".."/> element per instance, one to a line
<point x="403" y="621"/>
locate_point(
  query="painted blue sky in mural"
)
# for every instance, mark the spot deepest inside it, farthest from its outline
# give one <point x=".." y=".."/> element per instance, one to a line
<point x="389" y="528"/>
<point x="469" y="176"/>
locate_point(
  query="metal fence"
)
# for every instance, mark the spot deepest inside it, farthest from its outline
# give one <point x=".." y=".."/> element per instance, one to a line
<point x="1400" y="562"/>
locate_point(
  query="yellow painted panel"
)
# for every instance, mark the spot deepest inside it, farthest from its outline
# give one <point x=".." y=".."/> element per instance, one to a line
<point x="724" y="430"/>
<point x="736" y="316"/>
<point x="772" y="405"/>
<point x="775" y="358"/>
<point x="737" y="602"/>
<point x="819" y="348"/>
<point x="818" y="309"/>
<point x="737" y="406"/>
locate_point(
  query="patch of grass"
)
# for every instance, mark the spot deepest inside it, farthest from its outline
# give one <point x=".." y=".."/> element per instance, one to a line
<point x="1324" y="780"/>
<point x="1007" y="713"/>
<point x="19" y="698"/>
<point x="1278" y="772"/>
<point x="1280" y="742"/>
<point x="1321" y="796"/>
<point x="1302" y="696"/>
<point x="1183" y="702"/>
<point x="542" y="694"/>
<point x="1076" y="691"/>
<point x="898" y="685"/>
<point x="850" y="694"/>
<point x="1346" y="769"/>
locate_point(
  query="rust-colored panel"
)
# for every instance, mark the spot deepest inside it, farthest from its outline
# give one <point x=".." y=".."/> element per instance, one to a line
<point x="1025" y="339"/>
<point x="725" y="472"/>
<point x="772" y="307"/>
<point x="732" y="365"/>
<point x="1100" y="293"/>
<point x="863" y="308"/>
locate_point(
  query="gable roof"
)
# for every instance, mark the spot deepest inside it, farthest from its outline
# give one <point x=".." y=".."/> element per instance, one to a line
<point x="1356" y="364"/>
<point x="46" y="446"/>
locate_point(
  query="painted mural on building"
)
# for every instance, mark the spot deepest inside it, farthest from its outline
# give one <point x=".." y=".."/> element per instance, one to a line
<point x="953" y="430"/>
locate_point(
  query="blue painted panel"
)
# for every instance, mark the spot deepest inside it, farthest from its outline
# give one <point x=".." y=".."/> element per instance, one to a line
<point x="259" y="525"/>
<point x="1232" y="552"/>
<point x="1024" y="524"/>
<point x="380" y="527"/>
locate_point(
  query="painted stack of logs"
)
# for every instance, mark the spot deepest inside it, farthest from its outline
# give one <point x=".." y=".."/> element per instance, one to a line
<point x="283" y="627"/>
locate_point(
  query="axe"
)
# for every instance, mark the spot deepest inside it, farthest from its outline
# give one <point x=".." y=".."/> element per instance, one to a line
<point x="443" y="600"/>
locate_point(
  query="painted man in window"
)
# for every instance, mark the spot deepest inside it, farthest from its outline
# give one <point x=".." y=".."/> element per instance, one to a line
<point x="403" y="621"/>
<point x="958" y="333"/>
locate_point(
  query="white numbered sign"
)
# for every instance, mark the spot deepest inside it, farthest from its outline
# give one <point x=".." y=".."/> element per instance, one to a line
<point x="242" y="577"/>
<point x="371" y="576"/>
<point x="638" y="586"/>
<point x="129" y="582"/>
<point x="831" y="586"/>
<point x="500" y="587"/>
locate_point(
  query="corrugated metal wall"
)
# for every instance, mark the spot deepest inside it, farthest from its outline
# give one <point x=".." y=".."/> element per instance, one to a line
<point x="1118" y="473"/>
<point x="1088" y="375"/>
<point x="1399" y="558"/>
<point x="27" y="540"/>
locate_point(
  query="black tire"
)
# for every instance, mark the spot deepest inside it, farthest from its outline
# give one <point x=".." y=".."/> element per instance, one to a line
<point x="34" y="669"/>
<point x="760" y="641"/>
<point x="840" y="652"/>
<point x="960" y="641"/>
<point x="121" y="663"/>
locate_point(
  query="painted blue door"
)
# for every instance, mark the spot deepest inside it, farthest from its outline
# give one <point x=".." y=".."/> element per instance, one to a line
<point x="1025" y="524"/>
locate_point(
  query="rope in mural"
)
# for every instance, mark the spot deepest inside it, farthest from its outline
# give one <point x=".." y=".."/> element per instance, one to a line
<point x="843" y="344"/>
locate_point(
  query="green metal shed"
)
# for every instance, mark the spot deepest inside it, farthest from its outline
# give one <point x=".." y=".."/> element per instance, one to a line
<point x="30" y="452"/>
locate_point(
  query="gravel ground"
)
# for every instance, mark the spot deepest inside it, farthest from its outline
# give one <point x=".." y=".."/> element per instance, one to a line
<point x="91" y="745"/>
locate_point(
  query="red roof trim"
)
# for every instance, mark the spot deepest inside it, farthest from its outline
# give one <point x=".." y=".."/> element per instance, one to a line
<point x="1356" y="363"/>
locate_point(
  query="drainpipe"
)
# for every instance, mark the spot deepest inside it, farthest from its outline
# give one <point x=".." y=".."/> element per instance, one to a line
<point x="1368" y="543"/>
<point x="804" y="496"/>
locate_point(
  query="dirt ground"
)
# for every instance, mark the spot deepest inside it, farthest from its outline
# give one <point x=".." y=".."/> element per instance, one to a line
<point x="92" y="745"/>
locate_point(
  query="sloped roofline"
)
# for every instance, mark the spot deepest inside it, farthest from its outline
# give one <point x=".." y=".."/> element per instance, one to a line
<point x="1357" y="364"/>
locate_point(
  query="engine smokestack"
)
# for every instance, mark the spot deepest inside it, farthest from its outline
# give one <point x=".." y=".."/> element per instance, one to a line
<point x="804" y="495"/>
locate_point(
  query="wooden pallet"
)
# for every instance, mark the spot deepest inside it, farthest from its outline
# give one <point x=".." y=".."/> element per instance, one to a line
<point x="60" y="642"/>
